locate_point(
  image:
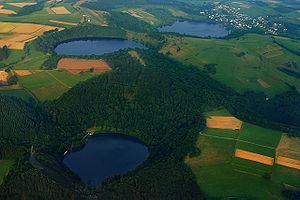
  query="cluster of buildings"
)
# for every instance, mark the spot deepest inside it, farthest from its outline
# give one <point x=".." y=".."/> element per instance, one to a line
<point x="233" y="17"/>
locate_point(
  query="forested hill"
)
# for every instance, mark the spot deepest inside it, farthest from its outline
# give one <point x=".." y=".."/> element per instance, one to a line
<point x="160" y="103"/>
<point x="21" y="122"/>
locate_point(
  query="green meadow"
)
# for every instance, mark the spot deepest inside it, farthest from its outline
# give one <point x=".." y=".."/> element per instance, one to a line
<point x="249" y="62"/>
<point x="51" y="84"/>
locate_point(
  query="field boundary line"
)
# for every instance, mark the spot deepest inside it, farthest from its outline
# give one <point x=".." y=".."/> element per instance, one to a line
<point x="237" y="139"/>
<point x="244" y="172"/>
<point x="31" y="94"/>
<point x="67" y="86"/>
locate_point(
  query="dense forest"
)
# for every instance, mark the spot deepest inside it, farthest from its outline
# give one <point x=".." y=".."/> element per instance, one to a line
<point x="4" y="53"/>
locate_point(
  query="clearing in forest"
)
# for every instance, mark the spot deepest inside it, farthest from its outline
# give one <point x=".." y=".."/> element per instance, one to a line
<point x="220" y="122"/>
<point x="254" y="157"/>
<point x="288" y="152"/>
<point x="60" y="10"/>
<point x="75" y="66"/>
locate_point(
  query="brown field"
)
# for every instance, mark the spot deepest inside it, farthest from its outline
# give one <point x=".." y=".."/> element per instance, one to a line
<point x="263" y="83"/>
<point x="3" y="76"/>
<point x="231" y="123"/>
<point x="20" y="33"/>
<point x="65" y="23"/>
<point x="76" y="66"/>
<point x="60" y="10"/>
<point x="254" y="157"/>
<point x="288" y="152"/>
<point x="22" y="4"/>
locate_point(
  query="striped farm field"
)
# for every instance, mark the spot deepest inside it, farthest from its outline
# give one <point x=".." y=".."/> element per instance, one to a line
<point x="288" y="152"/>
<point x="20" y="33"/>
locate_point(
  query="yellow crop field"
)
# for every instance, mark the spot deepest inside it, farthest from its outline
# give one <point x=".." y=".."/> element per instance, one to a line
<point x="20" y="33"/>
<point x="22" y="4"/>
<point x="6" y="11"/>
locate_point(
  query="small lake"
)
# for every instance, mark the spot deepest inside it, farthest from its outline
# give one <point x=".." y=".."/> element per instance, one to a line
<point x="95" y="46"/>
<point x="105" y="155"/>
<point x="196" y="28"/>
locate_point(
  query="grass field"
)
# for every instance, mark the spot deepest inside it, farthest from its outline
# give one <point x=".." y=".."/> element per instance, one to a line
<point x="222" y="175"/>
<point x="5" y="165"/>
<point x="247" y="62"/>
<point x="49" y="85"/>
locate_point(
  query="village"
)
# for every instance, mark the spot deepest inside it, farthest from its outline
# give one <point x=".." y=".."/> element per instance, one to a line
<point x="234" y="18"/>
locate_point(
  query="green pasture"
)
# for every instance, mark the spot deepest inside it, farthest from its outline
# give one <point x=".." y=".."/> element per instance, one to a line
<point x="43" y="86"/>
<point x="241" y="62"/>
<point x="51" y="84"/>
<point x="259" y="135"/>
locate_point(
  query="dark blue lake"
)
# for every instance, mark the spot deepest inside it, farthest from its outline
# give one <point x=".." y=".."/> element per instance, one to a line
<point x="96" y="46"/>
<point x="105" y="155"/>
<point x="197" y="28"/>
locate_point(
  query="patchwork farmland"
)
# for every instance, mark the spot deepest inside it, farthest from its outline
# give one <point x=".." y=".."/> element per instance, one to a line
<point x="231" y="156"/>
<point x="17" y="34"/>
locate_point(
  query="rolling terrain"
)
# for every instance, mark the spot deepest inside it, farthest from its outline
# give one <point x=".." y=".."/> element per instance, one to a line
<point x="220" y="116"/>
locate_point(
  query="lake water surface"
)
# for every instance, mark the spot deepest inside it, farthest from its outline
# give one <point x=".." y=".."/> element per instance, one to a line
<point x="105" y="155"/>
<point x="95" y="46"/>
<point x="197" y="28"/>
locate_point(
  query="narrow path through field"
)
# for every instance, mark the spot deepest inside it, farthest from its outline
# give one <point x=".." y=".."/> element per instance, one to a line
<point x="237" y="139"/>
<point x="31" y="94"/>
<point x="67" y="86"/>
